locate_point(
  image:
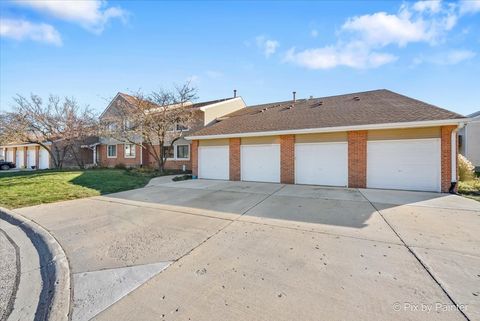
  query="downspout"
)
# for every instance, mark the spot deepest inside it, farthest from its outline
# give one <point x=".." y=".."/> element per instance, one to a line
<point x="453" y="156"/>
<point x="95" y="155"/>
<point x="141" y="154"/>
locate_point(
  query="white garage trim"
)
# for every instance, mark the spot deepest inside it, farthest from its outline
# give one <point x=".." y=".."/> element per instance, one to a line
<point x="406" y="164"/>
<point x="213" y="162"/>
<point x="260" y="163"/>
<point x="321" y="163"/>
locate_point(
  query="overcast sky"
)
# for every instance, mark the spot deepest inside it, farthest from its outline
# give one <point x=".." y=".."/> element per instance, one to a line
<point x="90" y="50"/>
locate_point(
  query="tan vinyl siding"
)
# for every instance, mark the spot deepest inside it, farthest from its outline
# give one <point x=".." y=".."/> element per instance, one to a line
<point x="407" y="133"/>
<point x="223" y="108"/>
<point x="321" y="137"/>
<point x="261" y="140"/>
<point x="214" y="142"/>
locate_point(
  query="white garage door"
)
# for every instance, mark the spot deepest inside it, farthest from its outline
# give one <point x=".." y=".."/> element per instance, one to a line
<point x="9" y="156"/>
<point x="410" y="164"/>
<point x="213" y="162"/>
<point x="321" y="164"/>
<point x="260" y="163"/>
<point x="20" y="159"/>
<point x="43" y="161"/>
<point x="31" y="158"/>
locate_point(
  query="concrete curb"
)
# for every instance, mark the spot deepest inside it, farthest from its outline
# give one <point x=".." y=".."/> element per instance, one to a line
<point x="44" y="291"/>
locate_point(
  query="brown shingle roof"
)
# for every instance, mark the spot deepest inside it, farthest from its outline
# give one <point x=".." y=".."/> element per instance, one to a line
<point x="363" y="108"/>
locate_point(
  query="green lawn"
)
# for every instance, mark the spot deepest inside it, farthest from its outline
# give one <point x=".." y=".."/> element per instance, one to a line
<point x="20" y="189"/>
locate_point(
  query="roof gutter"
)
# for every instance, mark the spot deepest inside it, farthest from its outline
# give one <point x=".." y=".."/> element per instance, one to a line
<point x="24" y="145"/>
<point x="430" y="123"/>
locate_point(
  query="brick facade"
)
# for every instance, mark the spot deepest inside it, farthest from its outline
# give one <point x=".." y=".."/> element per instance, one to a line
<point x="194" y="157"/>
<point x="287" y="159"/>
<point x="120" y="159"/>
<point x="171" y="164"/>
<point x="357" y="159"/>
<point x="446" y="156"/>
<point x="234" y="154"/>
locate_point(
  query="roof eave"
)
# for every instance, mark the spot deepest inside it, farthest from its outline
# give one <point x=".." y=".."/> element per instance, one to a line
<point x="415" y="124"/>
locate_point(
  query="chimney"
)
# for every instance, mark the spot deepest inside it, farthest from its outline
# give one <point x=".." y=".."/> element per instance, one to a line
<point x="294" y="93"/>
<point x="234" y="93"/>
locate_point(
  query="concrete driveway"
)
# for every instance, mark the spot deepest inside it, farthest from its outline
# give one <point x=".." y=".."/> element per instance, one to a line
<point x="215" y="250"/>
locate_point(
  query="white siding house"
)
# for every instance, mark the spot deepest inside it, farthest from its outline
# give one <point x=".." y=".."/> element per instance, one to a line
<point x="470" y="140"/>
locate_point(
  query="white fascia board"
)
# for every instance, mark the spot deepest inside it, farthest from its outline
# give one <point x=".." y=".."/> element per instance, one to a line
<point x="24" y="145"/>
<point x="221" y="102"/>
<point x="416" y="124"/>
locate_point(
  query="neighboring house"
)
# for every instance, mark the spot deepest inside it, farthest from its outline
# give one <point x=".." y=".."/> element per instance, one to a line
<point x="27" y="155"/>
<point x="374" y="139"/>
<point x="31" y="155"/>
<point x="469" y="140"/>
<point x="111" y="152"/>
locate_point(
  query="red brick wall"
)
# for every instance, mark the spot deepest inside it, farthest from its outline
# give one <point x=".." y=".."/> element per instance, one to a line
<point x="194" y="157"/>
<point x="178" y="165"/>
<point x="150" y="161"/>
<point x="234" y="154"/>
<point x="446" y="160"/>
<point x="287" y="159"/>
<point x="357" y="159"/>
<point x="120" y="159"/>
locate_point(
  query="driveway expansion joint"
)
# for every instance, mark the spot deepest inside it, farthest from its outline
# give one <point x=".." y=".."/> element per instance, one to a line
<point x="424" y="266"/>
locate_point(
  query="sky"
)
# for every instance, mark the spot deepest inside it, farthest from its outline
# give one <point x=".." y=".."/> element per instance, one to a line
<point x="90" y="50"/>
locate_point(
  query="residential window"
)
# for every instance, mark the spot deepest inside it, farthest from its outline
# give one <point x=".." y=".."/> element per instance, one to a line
<point x="183" y="151"/>
<point x="129" y="150"/>
<point x="112" y="127"/>
<point x="181" y="128"/>
<point x="127" y="124"/>
<point x="112" y="151"/>
<point x="168" y="152"/>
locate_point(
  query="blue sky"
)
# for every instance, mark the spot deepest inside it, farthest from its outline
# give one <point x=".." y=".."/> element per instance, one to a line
<point x="93" y="49"/>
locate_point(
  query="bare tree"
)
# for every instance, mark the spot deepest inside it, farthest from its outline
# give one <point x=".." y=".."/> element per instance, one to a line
<point x="150" y="121"/>
<point x="57" y="125"/>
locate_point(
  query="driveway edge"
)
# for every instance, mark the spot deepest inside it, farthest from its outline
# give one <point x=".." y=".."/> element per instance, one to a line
<point x="49" y="274"/>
